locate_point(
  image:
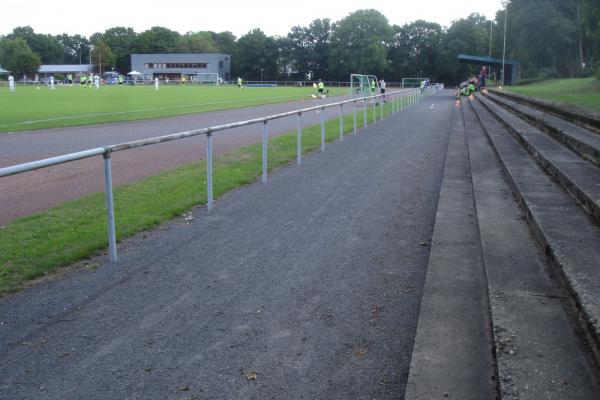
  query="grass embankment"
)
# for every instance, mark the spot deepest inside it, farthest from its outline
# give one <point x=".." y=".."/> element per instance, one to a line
<point x="34" y="245"/>
<point x="579" y="92"/>
<point x="33" y="108"/>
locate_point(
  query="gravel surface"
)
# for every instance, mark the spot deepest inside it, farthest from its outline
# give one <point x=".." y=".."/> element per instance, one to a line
<point x="307" y="287"/>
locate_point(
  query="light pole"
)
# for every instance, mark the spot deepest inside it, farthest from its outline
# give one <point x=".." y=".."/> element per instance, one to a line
<point x="261" y="74"/>
<point x="505" y="4"/>
<point x="490" y="66"/>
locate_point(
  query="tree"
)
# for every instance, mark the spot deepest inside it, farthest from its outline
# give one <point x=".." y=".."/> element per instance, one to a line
<point x="358" y="44"/>
<point x="197" y="42"/>
<point x="103" y="56"/>
<point x="157" y="40"/>
<point x="122" y="43"/>
<point x="257" y="55"/>
<point x="306" y="49"/>
<point x="76" y="49"/>
<point x="414" y="50"/>
<point x="46" y="46"/>
<point x="469" y="36"/>
<point x="17" y="57"/>
<point x="227" y="44"/>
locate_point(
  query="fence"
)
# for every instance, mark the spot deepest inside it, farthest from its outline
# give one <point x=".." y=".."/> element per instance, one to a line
<point x="398" y="99"/>
<point x="175" y="82"/>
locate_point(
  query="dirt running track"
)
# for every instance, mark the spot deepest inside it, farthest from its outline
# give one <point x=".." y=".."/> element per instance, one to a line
<point x="35" y="191"/>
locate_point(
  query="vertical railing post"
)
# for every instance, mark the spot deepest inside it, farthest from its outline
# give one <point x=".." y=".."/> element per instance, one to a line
<point x="374" y="110"/>
<point x="209" y="171"/>
<point x="381" y="106"/>
<point x="354" y="112"/>
<point x="364" y="113"/>
<point x="264" y="150"/>
<point x="400" y="100"/>
<point x="322" y="128"/>
<point x="299" y="141"/>
<point x="110" y="208"/>
<point x="341" y="122"/>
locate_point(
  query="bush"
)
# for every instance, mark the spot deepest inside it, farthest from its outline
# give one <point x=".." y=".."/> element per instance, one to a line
<point x="548" y="73"/>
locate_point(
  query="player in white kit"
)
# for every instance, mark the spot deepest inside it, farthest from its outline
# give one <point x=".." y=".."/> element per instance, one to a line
<point x="51" y="83"/>
<point x="156" y="83"/>
<point x="11" y="83"/>
<point x="97" y="82"/>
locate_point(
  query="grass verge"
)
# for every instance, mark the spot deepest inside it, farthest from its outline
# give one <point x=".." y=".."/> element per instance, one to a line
<point x="580" y="92"/>
<point x="33" y="246"/>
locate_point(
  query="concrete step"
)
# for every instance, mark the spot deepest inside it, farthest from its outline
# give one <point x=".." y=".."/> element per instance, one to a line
<point x="582" y="141"/>
<point x="577" y="176"/>
<point x="452" y="355"/>
<point x="568" y="235"/>
<point x="584" y="117"/>
<point x="538" y="353"/>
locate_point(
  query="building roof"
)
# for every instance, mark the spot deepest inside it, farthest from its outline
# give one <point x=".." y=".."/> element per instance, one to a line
<point x="3" y="71"/>
<point x="469" y="59"/>
<point x="64" y="68"/>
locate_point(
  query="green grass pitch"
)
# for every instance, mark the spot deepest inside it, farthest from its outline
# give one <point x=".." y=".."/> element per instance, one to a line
<point x="33" y="108"/>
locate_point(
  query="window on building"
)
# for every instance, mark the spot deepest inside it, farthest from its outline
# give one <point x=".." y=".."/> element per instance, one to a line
<point x="220" y="64"/>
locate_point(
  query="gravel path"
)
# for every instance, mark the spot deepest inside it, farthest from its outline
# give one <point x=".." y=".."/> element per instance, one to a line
<point x="306" y="287"/>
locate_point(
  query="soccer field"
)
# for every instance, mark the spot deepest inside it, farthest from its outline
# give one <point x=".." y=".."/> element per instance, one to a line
<point x="33" y="108"/>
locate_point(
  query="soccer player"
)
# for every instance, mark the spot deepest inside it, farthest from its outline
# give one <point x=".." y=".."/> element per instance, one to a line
<point x="82" y="80"/>
<point x="11" y="83"/>
<point x="321" y="87"/>
<point x="52" y="83"/>
<point x="382" y="86"/>
<point x="239" y="83"/>
<point x="97" y="82"/>
<point x="156" y="83"/>
<point x="373" y="87"/>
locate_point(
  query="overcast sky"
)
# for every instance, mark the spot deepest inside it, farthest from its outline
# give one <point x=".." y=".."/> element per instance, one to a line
<point x="239" y="17"/>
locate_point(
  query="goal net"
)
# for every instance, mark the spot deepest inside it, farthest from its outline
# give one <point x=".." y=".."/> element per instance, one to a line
<point x="360" y="85"/>
<point x="413" y="82"/>
<point x="207" y="78"/>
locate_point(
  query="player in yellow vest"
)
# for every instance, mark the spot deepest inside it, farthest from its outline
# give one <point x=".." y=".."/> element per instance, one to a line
<point x="321" y="89"/>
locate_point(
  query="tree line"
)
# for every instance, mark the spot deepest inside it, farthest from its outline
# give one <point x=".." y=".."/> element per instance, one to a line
<point x="550" y="38"/>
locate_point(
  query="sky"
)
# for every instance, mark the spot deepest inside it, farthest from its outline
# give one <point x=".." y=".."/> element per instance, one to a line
<point x="275" y="18"/>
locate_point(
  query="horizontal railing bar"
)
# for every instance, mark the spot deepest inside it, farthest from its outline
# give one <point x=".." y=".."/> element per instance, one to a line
<point x="155" y="140"/>
<point x="30" y="166"/>
<point x="48" y="162"/>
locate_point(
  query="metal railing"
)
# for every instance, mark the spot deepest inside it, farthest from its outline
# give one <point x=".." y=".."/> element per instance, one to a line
<point x="398" y="99"/>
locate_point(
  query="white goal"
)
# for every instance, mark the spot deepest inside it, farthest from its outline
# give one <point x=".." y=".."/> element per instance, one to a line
<point x="207" y="78"/>
<point x="360" y="85"/>
<point x="413" y="82"/>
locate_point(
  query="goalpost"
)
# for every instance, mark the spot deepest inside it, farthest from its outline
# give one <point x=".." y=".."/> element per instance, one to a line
<point x="360" y="85"/>
<point x="207" y="78"/>
<point x="413" y="82"/>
